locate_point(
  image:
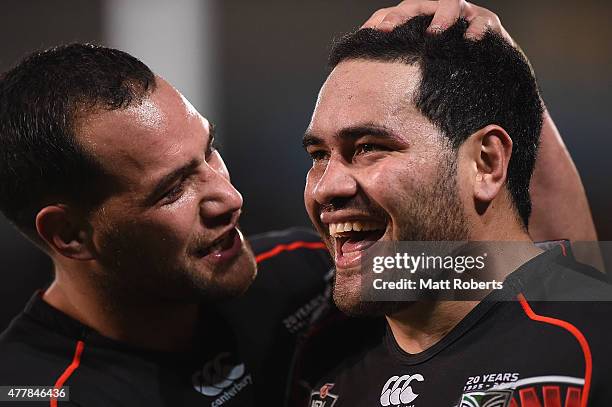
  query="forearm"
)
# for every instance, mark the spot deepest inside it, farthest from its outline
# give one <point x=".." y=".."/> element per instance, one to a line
<point x="560" y="206"/>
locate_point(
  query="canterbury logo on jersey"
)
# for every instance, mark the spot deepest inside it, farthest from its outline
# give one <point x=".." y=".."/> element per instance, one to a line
<point x="217" y="375"/>
<point x="398" y="390"/>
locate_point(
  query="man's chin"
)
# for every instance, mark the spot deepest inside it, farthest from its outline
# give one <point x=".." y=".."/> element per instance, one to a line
<point x="347" y="297"/>
<point x="200" y="280"/>
<point x="369" y="308"/>
<point x="230" y="281"/>
<point x="217" y="293"/>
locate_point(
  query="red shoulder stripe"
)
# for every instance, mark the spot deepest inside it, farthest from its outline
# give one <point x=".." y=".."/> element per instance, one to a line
<point x="288" y="247"/>
<point x="76" y="361"/>
<point x="584" y="344"/>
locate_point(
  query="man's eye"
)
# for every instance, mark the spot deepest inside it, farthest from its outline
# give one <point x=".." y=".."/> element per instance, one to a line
<point x="368" y="148"/>
<point x="173" y="194"/>
<point x="317" y="155"/>
<point x="364" y="148"/>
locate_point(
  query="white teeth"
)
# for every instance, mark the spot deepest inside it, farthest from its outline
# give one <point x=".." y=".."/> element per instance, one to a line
<point x="335" y="229"/>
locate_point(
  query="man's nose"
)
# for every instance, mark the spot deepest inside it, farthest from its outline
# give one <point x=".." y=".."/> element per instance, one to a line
<point x="336" y="182"/>
<point x="220" y="198"/>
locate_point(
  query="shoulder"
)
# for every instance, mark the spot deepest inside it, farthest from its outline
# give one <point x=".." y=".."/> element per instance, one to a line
<point x="574" y="301"/>
<point x="267" y="240"/>
<point x="31" y="354"/>
<point x="294" y="257"/>
<point x="292" y="283"/>
<point x="556" y="276"/>
<point x="568" y="294"/>
<point x="289" y="243"/>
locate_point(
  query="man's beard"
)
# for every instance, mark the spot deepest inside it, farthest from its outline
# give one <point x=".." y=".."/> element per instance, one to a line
<point x="140" y="273"/>
<point x="433" y="213"/>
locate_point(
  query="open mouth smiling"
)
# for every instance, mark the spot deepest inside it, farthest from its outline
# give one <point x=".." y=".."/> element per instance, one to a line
<point x="352" y="237"/>
<point x="223" y="248"/>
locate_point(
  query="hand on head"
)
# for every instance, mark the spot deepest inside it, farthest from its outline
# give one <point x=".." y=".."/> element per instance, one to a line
<point x="445" y="13"/>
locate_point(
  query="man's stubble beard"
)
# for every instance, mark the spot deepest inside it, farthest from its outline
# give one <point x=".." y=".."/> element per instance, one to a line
<point x="433" y="213"/>
<point x="133" y="274"/>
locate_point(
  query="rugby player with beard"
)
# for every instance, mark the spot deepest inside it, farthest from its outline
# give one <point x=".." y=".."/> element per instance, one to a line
<point x="420" y="136"/>
<point x="111" y="172"/>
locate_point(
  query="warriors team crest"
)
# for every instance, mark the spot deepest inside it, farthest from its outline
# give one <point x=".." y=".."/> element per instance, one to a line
<point x="540" y="391"/>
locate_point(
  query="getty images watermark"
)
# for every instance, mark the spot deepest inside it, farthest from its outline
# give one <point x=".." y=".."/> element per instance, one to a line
<point x="428" y="263"/>
<point x="416" y="271"/>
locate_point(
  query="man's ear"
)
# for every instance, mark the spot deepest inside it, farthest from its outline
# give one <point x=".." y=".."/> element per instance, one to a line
<point x="64" y="232"/>
<point x="491" y="149"/>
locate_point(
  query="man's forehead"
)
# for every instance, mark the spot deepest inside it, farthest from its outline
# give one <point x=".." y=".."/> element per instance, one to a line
<point x="145" y="135"/>
<point x="367" y="91"/>
<point x="366" y="78"/>
<point x="126" y="134"/>
<point x="105" y="126"/>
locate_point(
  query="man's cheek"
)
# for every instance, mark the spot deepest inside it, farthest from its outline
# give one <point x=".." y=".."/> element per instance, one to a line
<point x="391" y="189"/>
<point x="160" y="238"/>
<point x="382" y="187"/>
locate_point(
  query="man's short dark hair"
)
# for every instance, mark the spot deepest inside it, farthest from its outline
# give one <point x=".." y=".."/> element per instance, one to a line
<point x="465" y="86"/>
<point x="41" y="99"/>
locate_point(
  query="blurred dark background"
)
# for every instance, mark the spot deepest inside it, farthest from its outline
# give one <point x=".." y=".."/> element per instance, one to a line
<point x="255" y="67"/>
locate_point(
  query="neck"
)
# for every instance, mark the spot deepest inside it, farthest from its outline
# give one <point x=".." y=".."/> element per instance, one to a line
<point x="422" y="324"/>
<point x="150" y="324"/>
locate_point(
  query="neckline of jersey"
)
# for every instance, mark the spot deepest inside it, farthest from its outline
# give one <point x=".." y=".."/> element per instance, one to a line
<point x="512" y="287"/>
<point x="49" y="317"/>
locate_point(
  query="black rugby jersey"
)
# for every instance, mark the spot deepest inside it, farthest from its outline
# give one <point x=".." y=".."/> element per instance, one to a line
<point x="242" y="358"/>
<point x="521" y="353"/>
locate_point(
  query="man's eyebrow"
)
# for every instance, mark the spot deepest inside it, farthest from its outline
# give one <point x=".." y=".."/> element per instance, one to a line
<point x="354" y="132"/>
<point x="368" y="129"/>
<point x="168" y="179"/>
<point x="310" y="139"/>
